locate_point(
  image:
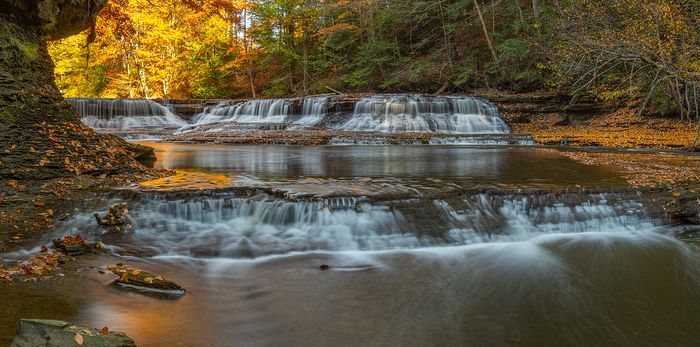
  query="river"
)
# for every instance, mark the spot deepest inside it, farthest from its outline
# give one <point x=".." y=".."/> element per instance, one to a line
<point x="426" y="245"/>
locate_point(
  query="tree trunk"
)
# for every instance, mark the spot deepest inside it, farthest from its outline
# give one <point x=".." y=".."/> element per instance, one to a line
<point x="486" y="31"/>
<point x="536" y="8"/>
<point x="249" y="62"/>
<point x="41" y="135"/>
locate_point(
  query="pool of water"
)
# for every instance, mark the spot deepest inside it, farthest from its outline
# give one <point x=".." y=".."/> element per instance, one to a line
<point x="464" y="165"/>
<point x="504" y="266"/>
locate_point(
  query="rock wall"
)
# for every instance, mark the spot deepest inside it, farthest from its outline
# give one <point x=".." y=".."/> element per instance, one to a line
<point x="40" y="134"/>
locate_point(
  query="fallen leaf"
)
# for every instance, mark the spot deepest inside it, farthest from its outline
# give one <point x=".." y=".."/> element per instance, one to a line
<point x="44" y="249"/>
<point x="124" y="277"/>
<point x="136" y="272"/>
<point x="78" y="338"/>
<point x="104" y="330"/>
<point x="39" y="203"/>
<point x="148" y="280"/>
<point x="85" y="331"/>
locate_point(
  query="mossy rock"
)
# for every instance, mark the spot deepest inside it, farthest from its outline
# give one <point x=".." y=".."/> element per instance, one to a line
<point x="56" y="333"/>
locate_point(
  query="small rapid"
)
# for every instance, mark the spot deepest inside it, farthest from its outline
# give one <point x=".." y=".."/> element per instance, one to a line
<point x="409" y="113"/>
<point x="236" y="227"/>
<point x="125" y="114"/>
<point x="377" y="114"/>
<point x="252" y="111"/>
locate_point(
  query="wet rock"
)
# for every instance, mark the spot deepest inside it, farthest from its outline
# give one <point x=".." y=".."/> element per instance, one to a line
<point x="134" y="278"/>
<point x="143" y="154"/>
<point x="324" y="267"/>
<point x="75" y="245"/>
<point x="50" y="333"/>
<point x="115" y="217"/>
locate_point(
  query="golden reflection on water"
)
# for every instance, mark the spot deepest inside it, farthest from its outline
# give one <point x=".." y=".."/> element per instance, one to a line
<point x="189" y="180"/>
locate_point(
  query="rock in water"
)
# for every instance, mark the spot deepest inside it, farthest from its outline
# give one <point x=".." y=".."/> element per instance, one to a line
<point x="75" y="245"/>
<point x="55" y="333"/>
<point x="134" y="278"/>
<point x="115" y="217"/>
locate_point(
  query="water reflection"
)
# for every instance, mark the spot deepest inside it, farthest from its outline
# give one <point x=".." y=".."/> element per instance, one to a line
<point x="500" y="166"/>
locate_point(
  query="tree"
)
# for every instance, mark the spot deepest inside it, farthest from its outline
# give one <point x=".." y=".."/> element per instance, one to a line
<point x="647" y="50"/>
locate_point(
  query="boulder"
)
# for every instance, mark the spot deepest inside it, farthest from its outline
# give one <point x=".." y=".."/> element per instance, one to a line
<point x="55" y="333"/>
<point x="134" y="278"/>
<point x="115" y="217"/>
<point x="75" y="245"/>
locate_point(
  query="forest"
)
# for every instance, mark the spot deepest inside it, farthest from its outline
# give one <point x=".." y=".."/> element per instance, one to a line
<point x="647" y="51"/>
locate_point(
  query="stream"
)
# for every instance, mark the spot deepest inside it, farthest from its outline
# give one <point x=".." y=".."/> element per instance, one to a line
<point x="471" y="243"/>
<point x="427" y="245"/>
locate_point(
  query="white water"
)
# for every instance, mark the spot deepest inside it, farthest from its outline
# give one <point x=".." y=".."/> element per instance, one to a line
<point x="124" y="114"/>
<point x="252" y="111"/>
<point x="379" y="113"/>
<point x="245" y="228"/>
<point x="312" y="112"/>
<point x="408" y="113"/>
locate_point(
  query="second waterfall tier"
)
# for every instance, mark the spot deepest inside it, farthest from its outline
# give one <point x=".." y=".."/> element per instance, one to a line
<point x="383" y="113"/>
<point x="378" y="113"/>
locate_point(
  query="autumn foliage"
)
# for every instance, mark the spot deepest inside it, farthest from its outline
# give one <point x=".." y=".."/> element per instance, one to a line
<point x="646" y="51"/>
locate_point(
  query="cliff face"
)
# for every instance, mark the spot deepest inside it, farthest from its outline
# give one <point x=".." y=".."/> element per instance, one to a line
<point x="57" y="18"/>
<point x="40" y="134"/>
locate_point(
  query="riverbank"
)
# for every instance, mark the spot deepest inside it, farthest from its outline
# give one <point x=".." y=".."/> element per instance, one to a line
<point x="618" y="129"/>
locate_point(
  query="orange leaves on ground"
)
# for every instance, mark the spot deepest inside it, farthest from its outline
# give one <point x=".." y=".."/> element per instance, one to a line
<point x="620" y="129"/>
<point x="642" y="169"/>
<point x="5" y="276"/>
<point x="15" y="184"/>
<point x="73" y="240"/>
<point x="104" y="330"/>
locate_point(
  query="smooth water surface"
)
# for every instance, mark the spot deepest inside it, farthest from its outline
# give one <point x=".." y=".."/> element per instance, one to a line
<point x="467" y="166"/>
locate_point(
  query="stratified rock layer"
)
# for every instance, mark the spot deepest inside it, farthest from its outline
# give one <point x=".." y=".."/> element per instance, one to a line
<point x="40" y="134"/>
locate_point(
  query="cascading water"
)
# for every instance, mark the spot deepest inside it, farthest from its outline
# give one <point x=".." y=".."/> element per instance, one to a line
<point x="243" y="228"/>
<point x="409" y="113"/>
<point x="124" y="114"/>
<point x="312" y="112"/>
<point x="252" y="111"/>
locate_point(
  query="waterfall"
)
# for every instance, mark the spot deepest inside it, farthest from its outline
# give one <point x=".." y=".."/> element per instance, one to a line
<point x="312" y="112"/>
<point x="410" y="113"/>
<point x="378" y="113"/>
<point x="252" y="111"/>
<point x="234" y="227"/>
<point x="124" y="113"/>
